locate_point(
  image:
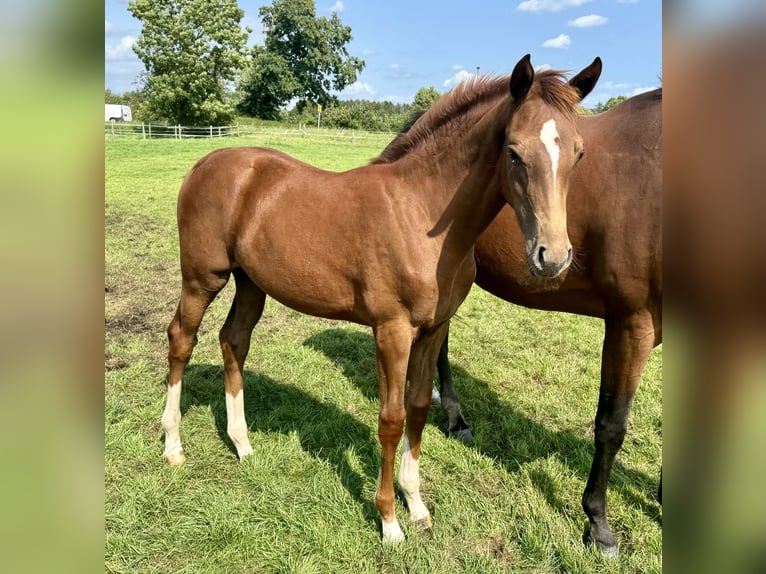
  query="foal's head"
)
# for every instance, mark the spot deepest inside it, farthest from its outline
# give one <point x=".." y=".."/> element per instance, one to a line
<point x="542" y="147"/>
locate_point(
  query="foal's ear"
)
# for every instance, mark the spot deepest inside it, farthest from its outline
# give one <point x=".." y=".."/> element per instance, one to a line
<point x="521" y="78"/>
<point x="586" y="80"/>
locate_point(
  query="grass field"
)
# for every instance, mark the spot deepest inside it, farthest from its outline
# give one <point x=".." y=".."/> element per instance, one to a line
<point x="303" y="502"/>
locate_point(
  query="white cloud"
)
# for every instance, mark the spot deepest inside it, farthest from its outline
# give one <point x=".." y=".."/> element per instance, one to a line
<point x="107" y="26"/>
<point x="457" y="78"/>
<point x="542" y="68"/>
<point x="457" y="67"/>
<point x="588" y="21"/>
<point x="614" y="86"/>
<point x="549" y="5"/>
<point x="337" y="7"/>
<point x="359" y="90"/>
<point x="643" y="89"/>
<point x="393" y="67"/>
<point x="120" y="50"/>
<point x="560" y="41"/>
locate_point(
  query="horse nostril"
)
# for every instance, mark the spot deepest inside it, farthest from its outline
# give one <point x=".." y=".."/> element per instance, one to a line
<point x="540" y="256"/>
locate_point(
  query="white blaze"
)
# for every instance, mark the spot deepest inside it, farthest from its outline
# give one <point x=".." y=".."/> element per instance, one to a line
<point x="548" y="136"/>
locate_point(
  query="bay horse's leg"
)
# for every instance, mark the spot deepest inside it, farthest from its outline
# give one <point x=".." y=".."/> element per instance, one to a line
<point x="393" y="341"/>
<point x="628" y="342"/>
<point x="450" y="402"/>
<point x="421" y="367"/>
<point x="246" y="310"/>
<point x="182" y="337"/>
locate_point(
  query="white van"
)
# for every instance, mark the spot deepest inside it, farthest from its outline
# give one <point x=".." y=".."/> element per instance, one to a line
<point x="117" y="113"/>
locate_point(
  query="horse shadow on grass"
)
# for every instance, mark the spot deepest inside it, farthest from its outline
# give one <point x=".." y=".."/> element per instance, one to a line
<point x="325" y="431"/>
<point x="509" y="436"/>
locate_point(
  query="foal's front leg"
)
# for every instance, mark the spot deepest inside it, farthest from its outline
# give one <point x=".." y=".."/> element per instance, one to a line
<point x="392" y="343"/>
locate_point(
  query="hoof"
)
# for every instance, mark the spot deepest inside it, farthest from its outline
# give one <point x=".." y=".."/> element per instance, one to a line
<point x="607" y="547"/>
<point x="245" y="453"/>
<point x="464" y="435"/>
<point x="176" y="458"/>
<point x="392" y="532"/>
<point x="608" y="551"/>
<point x="424" y="524"/>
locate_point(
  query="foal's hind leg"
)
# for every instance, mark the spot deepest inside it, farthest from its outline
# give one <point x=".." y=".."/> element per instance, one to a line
<point x="246" y="310"/>
<point x="421" y="367"/>
<point x="628" y="342"/>
<point x="182" y="337"/>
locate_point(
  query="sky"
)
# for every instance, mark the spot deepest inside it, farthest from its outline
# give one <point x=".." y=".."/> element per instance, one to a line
<point x="411" y="44"/>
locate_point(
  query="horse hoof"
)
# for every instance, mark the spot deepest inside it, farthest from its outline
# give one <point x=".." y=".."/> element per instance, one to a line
<point x="608" y="548"/>
<point x="424" y="524"/>
<point x="392" y="532"/>
<point x="176" y="458"/>
<point x="464" y="435"/>
<point x="245" y="453"/>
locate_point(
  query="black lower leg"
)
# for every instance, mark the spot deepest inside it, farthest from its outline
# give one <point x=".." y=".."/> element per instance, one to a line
<point x="458" y="427"/>
<point x="611" y="424"/>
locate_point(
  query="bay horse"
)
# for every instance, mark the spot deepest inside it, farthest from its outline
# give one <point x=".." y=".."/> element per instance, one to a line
<point x="389" y="245"/>
<point x="615" y="226"/>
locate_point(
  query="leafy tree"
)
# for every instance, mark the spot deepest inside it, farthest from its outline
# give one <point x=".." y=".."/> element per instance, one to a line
<point x="425" y="98"/>
<point x="303" y="57"/>
<point x="192" y="51"/>
<point x="111" y="98"/>
<point x="610" y="103"/>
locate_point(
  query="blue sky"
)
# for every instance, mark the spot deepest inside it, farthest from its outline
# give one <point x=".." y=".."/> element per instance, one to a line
<point x="410" y="44"/>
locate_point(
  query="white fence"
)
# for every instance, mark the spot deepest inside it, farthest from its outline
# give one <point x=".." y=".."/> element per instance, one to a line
<point x="148" y="131"/>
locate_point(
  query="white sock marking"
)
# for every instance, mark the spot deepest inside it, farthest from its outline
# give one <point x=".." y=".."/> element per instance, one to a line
<point x="171" y="419"/>
<point x="236" y="425"/>
<point x="409" y="481"/>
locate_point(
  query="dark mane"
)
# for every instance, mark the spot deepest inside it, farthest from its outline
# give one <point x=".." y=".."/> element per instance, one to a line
<point x="474" y="96"/>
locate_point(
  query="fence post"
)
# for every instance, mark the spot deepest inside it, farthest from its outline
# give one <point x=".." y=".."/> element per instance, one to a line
<point x="143" y="129"/>
<point x="211" y="132"/>
<point x="112" y="128"/>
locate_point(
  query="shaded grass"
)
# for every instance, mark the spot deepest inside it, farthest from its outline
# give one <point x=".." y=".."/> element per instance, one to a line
<point x="304" y="502"/>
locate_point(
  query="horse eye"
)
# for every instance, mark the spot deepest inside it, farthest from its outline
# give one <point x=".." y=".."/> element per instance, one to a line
<point x="514" y="157"/>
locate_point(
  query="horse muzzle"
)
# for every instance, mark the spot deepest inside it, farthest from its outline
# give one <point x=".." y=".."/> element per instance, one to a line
<point x="549" y="263"/>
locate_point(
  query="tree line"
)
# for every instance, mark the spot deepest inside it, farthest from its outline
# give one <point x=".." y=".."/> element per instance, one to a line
<point x="199" y="70"/>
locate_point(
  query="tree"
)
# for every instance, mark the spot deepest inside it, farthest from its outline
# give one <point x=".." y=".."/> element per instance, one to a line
<point x="610" y="103"/>
<point x="192" y="51"/>
<point x="302" y="57"/>
<point x="425" y="98"/>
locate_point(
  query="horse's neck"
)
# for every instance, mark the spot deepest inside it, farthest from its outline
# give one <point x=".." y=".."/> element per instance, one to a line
<point x="459" y="184"/>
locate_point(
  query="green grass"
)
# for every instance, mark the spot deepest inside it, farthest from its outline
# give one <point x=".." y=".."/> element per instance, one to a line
<point x="304" y="502"/>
